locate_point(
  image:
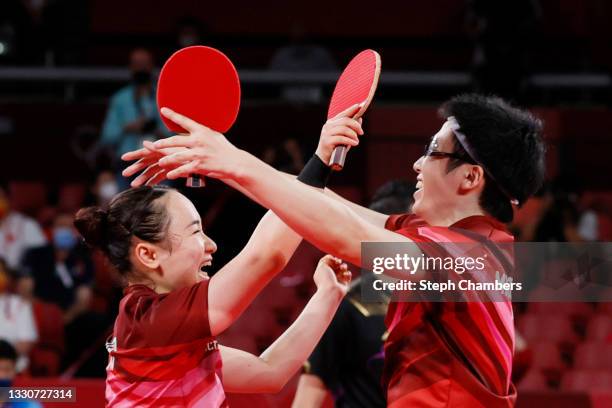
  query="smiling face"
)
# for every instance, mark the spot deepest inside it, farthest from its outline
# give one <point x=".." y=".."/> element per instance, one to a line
<point x="179" y="260"/>
<point x="441" y="194"/>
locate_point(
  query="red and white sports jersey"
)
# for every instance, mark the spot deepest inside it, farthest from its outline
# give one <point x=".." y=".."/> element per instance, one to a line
<point x="448" y="354"/>
<point x="161" y="353"/>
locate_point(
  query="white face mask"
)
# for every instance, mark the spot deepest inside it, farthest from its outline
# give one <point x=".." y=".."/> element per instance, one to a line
<point x="108" y="190"/>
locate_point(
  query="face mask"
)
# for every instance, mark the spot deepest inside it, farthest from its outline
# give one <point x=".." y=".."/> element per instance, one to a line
<point x="63" y="238"/>
<point x="108" y="190"/>
<point x="5" y="382"/>
<point x="141" y="77"/>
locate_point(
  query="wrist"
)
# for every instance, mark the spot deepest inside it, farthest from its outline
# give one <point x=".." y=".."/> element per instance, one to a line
<point x="315" y="173"/>
<point x="330" y="292"/>
<point x="325" y="158"/>
<point x="242" y="167"/>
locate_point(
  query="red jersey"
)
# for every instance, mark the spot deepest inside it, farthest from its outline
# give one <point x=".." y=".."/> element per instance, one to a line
<point x="162" y="352"/>
<point x="451" y="354"/>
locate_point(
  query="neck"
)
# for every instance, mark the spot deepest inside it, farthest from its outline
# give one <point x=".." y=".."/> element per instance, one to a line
<point x="452" y="215"/>
<point x="150" y="283"/>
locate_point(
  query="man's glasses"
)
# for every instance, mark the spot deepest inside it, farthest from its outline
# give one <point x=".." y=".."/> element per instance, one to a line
<point x="430" y="152"/>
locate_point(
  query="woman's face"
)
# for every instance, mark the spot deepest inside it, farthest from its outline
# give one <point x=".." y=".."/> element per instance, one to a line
<point x="187" y="249"/>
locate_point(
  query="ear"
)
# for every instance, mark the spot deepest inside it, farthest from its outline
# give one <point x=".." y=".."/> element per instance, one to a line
<point x="473" y="178"/>
<point x="147" y="254"/>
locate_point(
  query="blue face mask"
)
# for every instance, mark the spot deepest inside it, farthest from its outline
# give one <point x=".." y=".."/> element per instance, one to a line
<point x="64" y="238"/>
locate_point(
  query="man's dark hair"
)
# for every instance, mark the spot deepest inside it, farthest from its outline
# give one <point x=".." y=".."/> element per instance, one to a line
<point x="7" y="351"/>
<point x="509" y="146"/>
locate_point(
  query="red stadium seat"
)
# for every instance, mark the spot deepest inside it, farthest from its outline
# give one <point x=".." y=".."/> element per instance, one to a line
<point x="600" y="328"/>
<point x="605" y="308"/>
<point x="27" y="196"/>
<point x="534" y="380"/>
<point x="546" y="355"/>
<point x="553" y="328"/>
<point x="50" y="324"/>
<point x="587" y="380"/>
<point x="593" y="355"/>
<point x="575" y="309"/>
<point x="46" y="355"/>
<point x="71" y="197"/>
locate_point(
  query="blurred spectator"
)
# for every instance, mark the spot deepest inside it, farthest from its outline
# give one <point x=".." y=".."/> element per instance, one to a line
<point x="62" y="270"/>
<point x="588" y="228"/>
<point x="348" y="361"/>
<point x="503" y="32"/>
<point x="8" y="372"/>
<point x="105" y="188"/>
<point x="559" y="223"/>
<point x="132" y="115"/>
<point x="189" y="31"/>
<point x="301" y="55"/>
<point x="18" y="233"/>
<point x="393" y="197"/>
<point x="16" y="320"/>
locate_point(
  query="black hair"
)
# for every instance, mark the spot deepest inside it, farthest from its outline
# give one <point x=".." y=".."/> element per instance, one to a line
<point x="7" y="351"/>
<point x="393" y="197"/>
<point x="509" y="145"/>
<point x="132" y="213"/>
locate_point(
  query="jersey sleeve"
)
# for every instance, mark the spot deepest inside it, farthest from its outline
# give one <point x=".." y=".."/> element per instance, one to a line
<point x="180" y="316"/>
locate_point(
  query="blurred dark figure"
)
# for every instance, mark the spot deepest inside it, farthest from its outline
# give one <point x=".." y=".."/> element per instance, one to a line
<point x="104" y="188"/>
<point x="189" y="31"/>
<point x="63" y="274"/>
<point x="18" y="232"/>
<point x="503" y="32"/>
<point x="393" y="197"/>
<point x="348" y="361"/>
<point x="62" y="270"/>
<point x="132" y="115"/>
<point x="17" y="324"/>
<point x="8" y="372"/>
<point x="302" y="55"/>
<point x="288" y="158"/>
<point x="559" y="221"/>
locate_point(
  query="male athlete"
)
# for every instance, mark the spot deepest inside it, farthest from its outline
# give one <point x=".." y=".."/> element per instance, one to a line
<point x="487" y="156"/>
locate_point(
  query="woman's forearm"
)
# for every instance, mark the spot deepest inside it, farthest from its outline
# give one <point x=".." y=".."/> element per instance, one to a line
<point x="287" y="354"/>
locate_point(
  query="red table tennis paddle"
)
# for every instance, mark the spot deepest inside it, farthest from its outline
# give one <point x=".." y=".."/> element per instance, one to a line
<point x="356" y="85"/>
<point x="201" y="83"/>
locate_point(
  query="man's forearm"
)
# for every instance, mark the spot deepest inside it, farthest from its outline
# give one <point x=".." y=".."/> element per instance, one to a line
<point x="326" y="223"/>
<point x="373" y="217"/>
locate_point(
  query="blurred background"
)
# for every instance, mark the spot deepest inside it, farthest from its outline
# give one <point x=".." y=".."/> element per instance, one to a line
<point x="77" y="89"/>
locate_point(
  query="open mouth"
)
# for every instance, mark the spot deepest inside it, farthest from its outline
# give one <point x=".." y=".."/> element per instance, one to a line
<point x="202" y="274"/>
<point x="419" y="185"/>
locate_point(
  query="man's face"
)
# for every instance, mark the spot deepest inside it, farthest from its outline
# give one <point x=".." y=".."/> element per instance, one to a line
<point x="437" y="190"/>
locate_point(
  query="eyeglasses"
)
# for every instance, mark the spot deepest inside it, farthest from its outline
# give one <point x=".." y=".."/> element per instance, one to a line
<point x="429" y="152"/>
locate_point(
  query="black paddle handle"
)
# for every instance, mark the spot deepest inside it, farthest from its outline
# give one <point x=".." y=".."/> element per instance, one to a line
<point x="195" y="181"/>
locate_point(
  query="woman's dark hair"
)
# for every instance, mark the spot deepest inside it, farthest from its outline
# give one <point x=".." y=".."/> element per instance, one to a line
<point x="509" y="145"/>
<point x="131" y="213"/>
